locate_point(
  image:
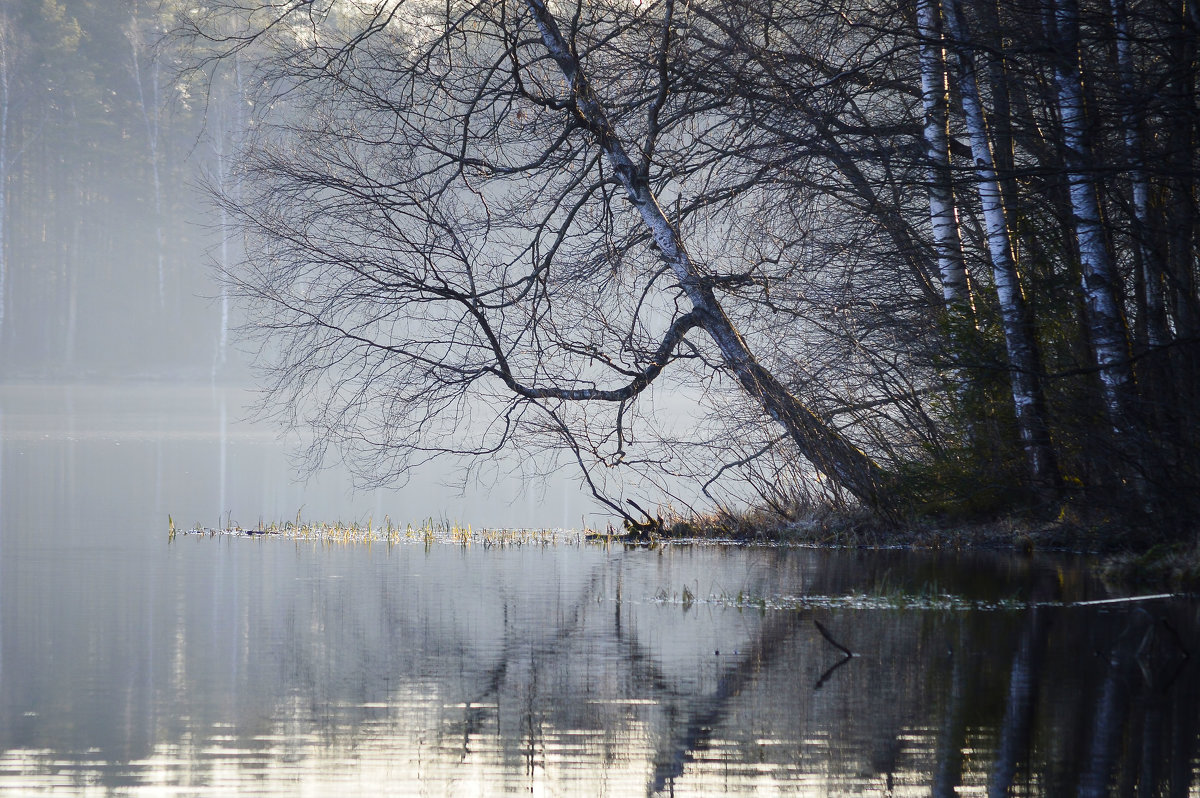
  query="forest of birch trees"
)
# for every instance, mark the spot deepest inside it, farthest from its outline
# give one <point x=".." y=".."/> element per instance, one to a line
<point x="922" y="256"/>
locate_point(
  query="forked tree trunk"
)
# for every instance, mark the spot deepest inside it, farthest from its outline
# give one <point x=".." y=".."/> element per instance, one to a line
<point x="1024" y="359"/>
<point x="829" y="451"/>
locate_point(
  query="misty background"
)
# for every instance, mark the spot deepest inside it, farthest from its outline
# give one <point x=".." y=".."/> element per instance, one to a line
<point x="108" y="245"/>
<point x="113" y="327"/>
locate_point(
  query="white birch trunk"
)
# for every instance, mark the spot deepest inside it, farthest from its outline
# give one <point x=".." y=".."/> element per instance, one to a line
<point x="1105" y="320"/>
<point x="827" y="449"/>
<point x="1023" y="358"/>
<point x="943" y="216"/>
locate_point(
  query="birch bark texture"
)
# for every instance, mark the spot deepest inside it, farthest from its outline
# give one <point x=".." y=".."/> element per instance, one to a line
<point x="1024" y="361"/>
<point x="1107" y="331"/>
<point x="943" y="215"/>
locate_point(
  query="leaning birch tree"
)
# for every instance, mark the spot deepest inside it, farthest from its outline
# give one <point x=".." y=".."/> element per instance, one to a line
<point x="454" y="208"/>
<point x="473" y="229"/>
<point x="821" y="444"/>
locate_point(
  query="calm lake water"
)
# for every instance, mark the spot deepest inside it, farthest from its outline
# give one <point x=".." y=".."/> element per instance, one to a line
<point x="131" y="664"/>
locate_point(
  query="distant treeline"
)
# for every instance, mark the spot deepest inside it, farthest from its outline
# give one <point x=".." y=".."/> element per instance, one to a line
<point x="104" y="239"/>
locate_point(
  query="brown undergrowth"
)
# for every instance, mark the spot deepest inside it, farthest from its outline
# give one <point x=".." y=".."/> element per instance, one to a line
<point x="1124" y="555"/>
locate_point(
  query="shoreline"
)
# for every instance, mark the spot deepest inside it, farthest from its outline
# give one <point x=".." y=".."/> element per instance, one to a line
<point x="1172" y="564"/>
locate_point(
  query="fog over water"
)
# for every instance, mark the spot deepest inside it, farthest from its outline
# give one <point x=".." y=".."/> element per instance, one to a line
<point x="136" y="663"/>
<point x="99" y="455"/>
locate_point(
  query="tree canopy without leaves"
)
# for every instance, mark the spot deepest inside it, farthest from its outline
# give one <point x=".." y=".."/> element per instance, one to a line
<point x="888" y="252"/>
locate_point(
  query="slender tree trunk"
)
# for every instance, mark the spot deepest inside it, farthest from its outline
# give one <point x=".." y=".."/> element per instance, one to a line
<point x="222" y="175"/>
<point x="832" y="455"/>
<point x="1105" y="320"/>
<point x="231" y="124"/>
<point x="1024" y="359"/>
<point x="943" y="215"/>
<point x="1181" y="201"/>
<point x="1001" y="117"/>
<point x="150" y="120"/>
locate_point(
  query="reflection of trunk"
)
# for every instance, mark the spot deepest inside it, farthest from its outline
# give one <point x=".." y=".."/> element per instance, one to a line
<point x="1107" y="725"/>
<point x="947" y="773"/>
<point x="828" y="450"/>
<point x="691" y="732"/>
<point x="1153" y="726"/>
<point x="1018" y="712"/>
<point x="1184" y="733"/>
<point x="1024" y="360"/>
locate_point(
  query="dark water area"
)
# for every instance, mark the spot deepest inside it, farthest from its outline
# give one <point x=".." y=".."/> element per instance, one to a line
<point x="131" y="664"/>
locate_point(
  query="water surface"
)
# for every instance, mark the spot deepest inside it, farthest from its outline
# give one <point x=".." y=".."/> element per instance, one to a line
<point x="205" y="665"/>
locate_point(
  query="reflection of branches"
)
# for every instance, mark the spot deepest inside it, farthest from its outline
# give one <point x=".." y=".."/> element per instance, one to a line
<point x="568" y="626"/>
<point x="705" y="712"/>
<point x="830" y="671"/>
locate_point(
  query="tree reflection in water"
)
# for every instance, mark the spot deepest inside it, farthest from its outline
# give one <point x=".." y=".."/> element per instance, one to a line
<point x="578" y="670"/>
